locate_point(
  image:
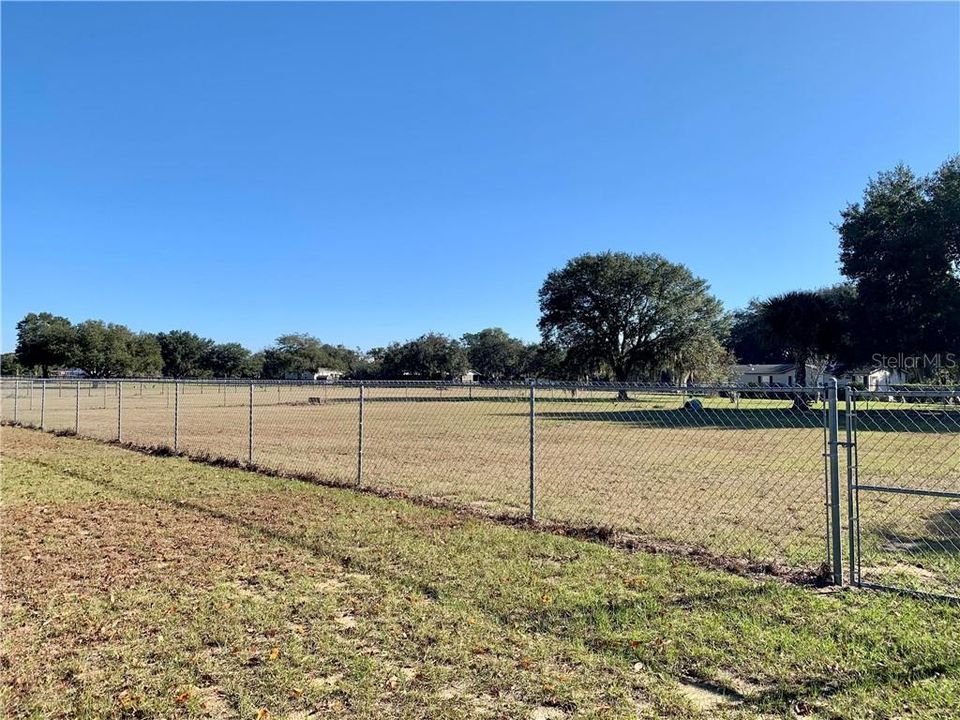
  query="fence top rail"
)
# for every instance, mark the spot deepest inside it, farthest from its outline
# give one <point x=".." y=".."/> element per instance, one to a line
<point x="940" y="392"/>
<point x="563" y="385"/>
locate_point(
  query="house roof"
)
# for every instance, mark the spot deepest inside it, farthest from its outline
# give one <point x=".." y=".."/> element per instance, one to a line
<point x="775" y="369"/>
<point x="865" y="370"/>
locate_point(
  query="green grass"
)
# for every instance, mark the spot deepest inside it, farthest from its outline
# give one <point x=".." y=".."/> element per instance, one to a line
<point x="138" y="586"/>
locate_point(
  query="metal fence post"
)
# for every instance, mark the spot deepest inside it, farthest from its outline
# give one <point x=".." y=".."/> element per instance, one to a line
<point x="250" y="428"/>
<point x="833" y="420"/>
<point x="119" y="411"/>
<point x="176" y="414"/>
<point x="16" y="399"/>
<point x="850" y="412"/>
<point x="533" y="452"/>
<point x="76" y="419"/>
<point x="43" y="398"/>
<point x="360" y="439"/>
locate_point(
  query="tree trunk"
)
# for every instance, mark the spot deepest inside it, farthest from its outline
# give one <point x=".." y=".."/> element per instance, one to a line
<point x="621" y="376"/>
<point x="800" y="399"/>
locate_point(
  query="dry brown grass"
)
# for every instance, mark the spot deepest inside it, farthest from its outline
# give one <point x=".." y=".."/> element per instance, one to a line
<point x="747" y="482"/>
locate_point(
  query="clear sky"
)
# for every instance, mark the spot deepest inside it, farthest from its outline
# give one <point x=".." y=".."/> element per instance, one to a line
<point x="371" y="172"/>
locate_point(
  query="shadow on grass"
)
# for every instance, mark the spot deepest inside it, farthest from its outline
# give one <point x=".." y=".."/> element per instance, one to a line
<point x="941" y="537"/>
<point x="914" y="421"/>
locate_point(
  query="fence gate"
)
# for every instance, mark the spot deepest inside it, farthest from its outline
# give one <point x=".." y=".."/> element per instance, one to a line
<point x="903" y="476"/>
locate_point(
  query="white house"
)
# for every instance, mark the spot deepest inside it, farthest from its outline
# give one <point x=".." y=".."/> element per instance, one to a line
<point x="320" y="375"/>
<point x="71" y="373"/>
<point x="327" y="375"/>
<point x="785" y="375"/>
<point x="872" y="378"/>
<point x="778" y="374"/>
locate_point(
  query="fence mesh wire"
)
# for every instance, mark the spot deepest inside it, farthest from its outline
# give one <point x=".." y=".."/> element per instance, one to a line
<point x="905" y="482"/>
<point x="735" y="471"/>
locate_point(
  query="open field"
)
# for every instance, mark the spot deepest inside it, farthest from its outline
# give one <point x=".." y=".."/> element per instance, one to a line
<point x="744" y="479"/>
<point x="138" y="586"/>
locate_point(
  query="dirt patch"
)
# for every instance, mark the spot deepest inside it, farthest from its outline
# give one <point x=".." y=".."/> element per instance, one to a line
<point x="915" y="571"/>
<point x="707" y="696"/>
<point x="455" y="690"/>
<point x="212" y="701"/>
<point x="544" y="712"/>
<point x="347" y="622"/>
<point x="741" y="686"/>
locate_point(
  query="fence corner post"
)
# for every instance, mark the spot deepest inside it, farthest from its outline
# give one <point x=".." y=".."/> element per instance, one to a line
<point x="76" y="419"/>
<point x="850" y="418"/>
<point x="43" y="398"/>
<point x="16" y="400"/>
<point x="533" y="451"/>
<point x="833" y="422"/>
<point x="360" y="438"/>
<point x="119" y="411"/>
<point x="250" y="429"/>
<point x="176" y="415"/>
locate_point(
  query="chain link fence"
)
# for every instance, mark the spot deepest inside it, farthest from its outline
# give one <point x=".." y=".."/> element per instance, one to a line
<point x="745" y="474"/>
<point x="904" y="489"/>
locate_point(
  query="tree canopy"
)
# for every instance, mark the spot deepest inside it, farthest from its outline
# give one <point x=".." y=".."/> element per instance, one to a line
<point x="800" y="326"/>
<point x="496" y="355"/>
<point x="227" y="360"/>
<point x="302" y="354"/>
<point x="635" y="316"/>
<point x="184" y="353"/>
<point x="429" y="357"/>
<point x="900" y="246"/>
<point x="103" y="350"/>
<point x="45" y="341"/>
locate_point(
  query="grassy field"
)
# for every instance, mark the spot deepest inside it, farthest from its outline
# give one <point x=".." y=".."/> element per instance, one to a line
<point x="139" y="586"/>
<point x="741" y="479"/>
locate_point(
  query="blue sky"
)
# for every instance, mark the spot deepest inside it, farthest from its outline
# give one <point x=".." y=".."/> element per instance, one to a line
<point x="371" y="172"/>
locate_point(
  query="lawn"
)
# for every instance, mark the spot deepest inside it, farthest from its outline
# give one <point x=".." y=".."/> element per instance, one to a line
<point x="139" y="586"/>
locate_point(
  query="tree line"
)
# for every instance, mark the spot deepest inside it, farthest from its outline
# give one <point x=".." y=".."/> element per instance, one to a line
<point x="899" y="305"/>
<point x="619" y="316"/>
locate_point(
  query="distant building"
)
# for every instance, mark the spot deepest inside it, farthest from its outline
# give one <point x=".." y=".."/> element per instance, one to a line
<point x="776" y="374"/>
<point x="470" y="376"/>
<point x="318" y="375"/>
<point x="785" y="375"/>
<point x="871" y="378"/>
<point x="327" y="375"/>
<point x="71" y="373"/>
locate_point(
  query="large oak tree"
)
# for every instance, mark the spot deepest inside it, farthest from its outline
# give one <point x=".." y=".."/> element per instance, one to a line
<point x="635" y="314"/>
<point x="45" y="341"/>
